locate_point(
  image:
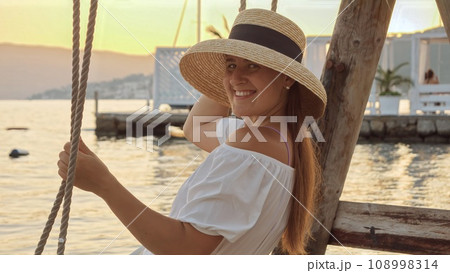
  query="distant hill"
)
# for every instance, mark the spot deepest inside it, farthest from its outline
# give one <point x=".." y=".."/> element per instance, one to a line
<point x="136" y="86"/>
<point x="28" y="70"/>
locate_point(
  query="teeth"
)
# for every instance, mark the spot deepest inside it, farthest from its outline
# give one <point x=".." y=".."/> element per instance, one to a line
<point x="243" y="93"/>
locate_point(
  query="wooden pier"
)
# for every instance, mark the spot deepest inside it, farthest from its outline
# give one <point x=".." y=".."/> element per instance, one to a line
<point x="115" y="124"/>
<point x="390" y="129"/>
<point x="391" y="228"/>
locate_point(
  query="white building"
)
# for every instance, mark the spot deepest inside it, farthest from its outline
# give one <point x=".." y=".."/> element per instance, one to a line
<point x="423" y="51"/>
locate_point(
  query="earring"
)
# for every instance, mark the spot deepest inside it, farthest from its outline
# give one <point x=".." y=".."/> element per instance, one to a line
<point x="287" y="87"/>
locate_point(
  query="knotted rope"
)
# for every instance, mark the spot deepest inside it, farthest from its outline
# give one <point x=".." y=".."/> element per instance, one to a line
<point x="272" y="8"/>
<point x="78" y="99"/>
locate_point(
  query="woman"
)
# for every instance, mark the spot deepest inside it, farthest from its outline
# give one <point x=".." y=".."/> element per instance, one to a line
<point x="258" y="184"/>
<point x="430" y="77"/>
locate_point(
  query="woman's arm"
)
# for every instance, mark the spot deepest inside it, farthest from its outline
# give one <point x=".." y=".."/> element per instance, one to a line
<point x="156" y="232"/>
<point x="202" y="118"/>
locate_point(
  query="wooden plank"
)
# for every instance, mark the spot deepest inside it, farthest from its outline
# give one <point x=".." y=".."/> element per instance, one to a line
<point x="356" y="44"/>
<point x="444" y="10"/>
<point x="392" y="228"/>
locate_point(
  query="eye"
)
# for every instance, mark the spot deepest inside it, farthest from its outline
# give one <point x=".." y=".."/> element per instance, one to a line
<point x="231" y="66"/>
<point x="253" y="66"/>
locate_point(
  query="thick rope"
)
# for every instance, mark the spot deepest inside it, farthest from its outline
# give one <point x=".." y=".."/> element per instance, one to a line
<point x="78" y="99"/>
<point x="75" y="62"/>
<point x="272" y="8"/>
<point x="77" y="128"/>
<point x="274" y="5"/>
<point x="51" y="219"/>
<point x="75" y="86"/>
<point x="243" y="5"/>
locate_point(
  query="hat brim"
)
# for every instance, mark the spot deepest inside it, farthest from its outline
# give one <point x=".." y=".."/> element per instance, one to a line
<point x="203" y="66"/>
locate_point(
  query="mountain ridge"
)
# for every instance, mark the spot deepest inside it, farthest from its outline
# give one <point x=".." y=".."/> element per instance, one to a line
<point x="135" y="86"/>
<point x="27" y="70"/>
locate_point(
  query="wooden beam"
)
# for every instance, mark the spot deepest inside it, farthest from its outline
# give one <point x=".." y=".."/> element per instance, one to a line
<point x="392" y="228"/>
<point x="356" y="44"/>
<point x="444" y="10"/>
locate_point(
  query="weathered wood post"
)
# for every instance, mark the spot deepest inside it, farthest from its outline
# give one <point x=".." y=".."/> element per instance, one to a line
<point x="444" y="10"/>
<point x="352" y="59"/>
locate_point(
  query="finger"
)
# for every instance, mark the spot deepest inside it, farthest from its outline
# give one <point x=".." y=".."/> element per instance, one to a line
<point x="62" y="174"/>
<point x="67" y="147"/>
<point x="64" y="156"/>
<point x="84" y="148"/>
<point x="63" y="162"/>
<point x="62" y="169"/>
<point x="62" y="165"/>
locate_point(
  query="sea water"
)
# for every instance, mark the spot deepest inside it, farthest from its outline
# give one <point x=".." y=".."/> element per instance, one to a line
<point x="398" y="174"/>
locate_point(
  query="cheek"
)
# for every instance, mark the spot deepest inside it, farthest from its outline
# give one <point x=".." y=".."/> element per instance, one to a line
<point x="273" y="95"/>
<point x="271" y="88"/>
<point x="269" y="79"/>
<point x="227" y="87"/>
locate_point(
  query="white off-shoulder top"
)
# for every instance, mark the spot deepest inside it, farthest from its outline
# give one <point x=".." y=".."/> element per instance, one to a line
<point x="239" y="194"/>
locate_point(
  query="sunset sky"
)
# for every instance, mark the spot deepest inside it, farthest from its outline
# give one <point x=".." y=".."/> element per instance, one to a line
<point x="154" y="22"/>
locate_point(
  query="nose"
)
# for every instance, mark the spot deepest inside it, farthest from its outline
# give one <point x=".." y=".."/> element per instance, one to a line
<point x="237" y="76"/>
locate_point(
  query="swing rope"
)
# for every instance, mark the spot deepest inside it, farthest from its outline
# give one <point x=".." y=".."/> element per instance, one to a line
<point x="272" y="8"/>
<point x="78" y="99"/>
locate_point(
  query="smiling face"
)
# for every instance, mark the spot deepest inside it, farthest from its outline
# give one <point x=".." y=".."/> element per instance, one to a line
<point x="255" y="90"/>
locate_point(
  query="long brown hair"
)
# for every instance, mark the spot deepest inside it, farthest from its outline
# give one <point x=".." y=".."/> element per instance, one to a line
<point x="307" y="180"/>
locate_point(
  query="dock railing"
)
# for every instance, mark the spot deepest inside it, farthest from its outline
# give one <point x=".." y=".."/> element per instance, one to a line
<point x="430" y="99"/>
<point x="169" y="87"/>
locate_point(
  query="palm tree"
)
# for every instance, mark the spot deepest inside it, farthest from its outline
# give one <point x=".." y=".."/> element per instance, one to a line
<point x="389" y="79"/>
<point x="211" y="29"/>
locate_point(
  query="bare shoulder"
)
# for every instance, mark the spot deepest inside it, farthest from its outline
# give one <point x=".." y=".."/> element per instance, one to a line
<point x="267" y="143"/>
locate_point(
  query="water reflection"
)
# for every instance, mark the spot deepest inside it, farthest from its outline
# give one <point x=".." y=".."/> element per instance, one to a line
<point x="399" y="174"/>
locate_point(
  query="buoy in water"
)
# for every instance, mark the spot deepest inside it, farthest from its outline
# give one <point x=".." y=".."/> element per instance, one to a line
<point x="16" y="128"/>
<point x="18" y="152"/>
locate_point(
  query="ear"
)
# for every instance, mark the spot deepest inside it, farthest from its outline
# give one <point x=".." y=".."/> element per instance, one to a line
<point x="288" y="81"/>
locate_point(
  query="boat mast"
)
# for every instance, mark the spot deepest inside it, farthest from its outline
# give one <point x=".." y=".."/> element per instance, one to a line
<point x="198" y="20"/>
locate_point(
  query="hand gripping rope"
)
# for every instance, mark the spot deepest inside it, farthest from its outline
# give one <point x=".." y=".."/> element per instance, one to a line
<point x="78" y="99"/>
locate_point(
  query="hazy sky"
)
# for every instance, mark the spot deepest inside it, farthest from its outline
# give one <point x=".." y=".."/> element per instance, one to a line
<point x="154" y="22"/>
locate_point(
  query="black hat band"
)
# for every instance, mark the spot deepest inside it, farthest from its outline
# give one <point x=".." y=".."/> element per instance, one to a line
<point x="267" y="37"/>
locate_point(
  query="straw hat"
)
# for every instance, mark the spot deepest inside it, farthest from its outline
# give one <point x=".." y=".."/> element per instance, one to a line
<point x="263" y="37"/>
